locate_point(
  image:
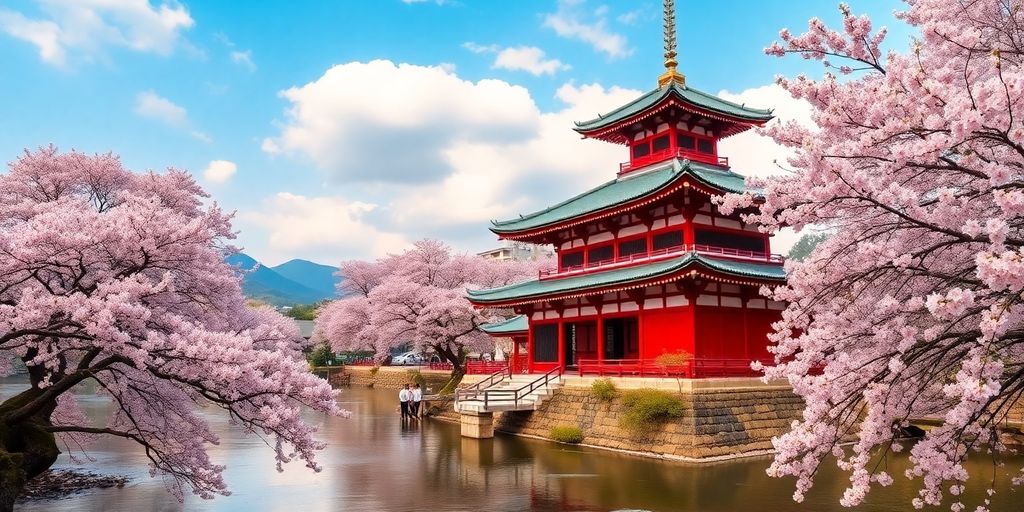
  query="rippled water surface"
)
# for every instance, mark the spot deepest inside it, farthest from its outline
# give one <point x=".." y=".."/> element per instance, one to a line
<point x="375" y="462"/>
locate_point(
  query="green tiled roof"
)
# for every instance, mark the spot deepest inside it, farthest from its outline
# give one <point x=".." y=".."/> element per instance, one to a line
<point x="513" y="325"/>
<point x="541" y="288"/>
<point x="687" y="94"/>
<point x="624" y="189"/>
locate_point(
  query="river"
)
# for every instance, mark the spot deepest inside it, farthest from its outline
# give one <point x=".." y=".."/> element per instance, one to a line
<point x="375" y="462"/>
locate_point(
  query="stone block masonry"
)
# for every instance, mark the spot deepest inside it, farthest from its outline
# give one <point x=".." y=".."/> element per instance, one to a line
<point x="717" y="423"/>
<point x="394" y="377"/>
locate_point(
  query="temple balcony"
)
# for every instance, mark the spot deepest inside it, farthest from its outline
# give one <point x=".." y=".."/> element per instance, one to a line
<point x="669" y="154"/>
<point x="662" y="254"/>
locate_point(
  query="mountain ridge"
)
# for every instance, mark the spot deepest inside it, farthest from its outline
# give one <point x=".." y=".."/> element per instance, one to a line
<point x="308" y="283"/>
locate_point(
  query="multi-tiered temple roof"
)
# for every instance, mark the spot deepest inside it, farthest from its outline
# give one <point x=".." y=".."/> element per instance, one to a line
<point x="674" y="100"/>
<point x="647" y="263"/>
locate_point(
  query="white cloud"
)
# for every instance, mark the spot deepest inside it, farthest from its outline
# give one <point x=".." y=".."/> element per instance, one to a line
<point x="324" y="229"/>
<point x="520" y="58"/>
<point x="481" y="48"/>
<point x="750" y="152"/>
<point x="484" y="177"/>
<point x="528" y="58"/>
<point x="243" y="59"/>
<point x="487" y="176"/>
<point x="382" y="122"/>
<point x="629" y="18"/>
<point x="219" y="171"/>
<point x="238" y="56"/>
<point x="151" y="105"/>
<point x="753" y="154"/>
<point x="87" y="27"/>
<point x="572" y="21"/>
<point x="45" y="35"/>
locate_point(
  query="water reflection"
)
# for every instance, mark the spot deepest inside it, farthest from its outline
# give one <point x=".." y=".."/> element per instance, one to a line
<point x="377" y="462"/>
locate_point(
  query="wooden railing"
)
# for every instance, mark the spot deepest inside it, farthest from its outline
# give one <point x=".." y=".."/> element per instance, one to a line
<point x="659" y="254"/>
<point x="479" y="392"/>
<point x="490" y="380"/>
<point x="366" y="361"/>
<point x="693" y="369"/>
<point x="483" y="367"/>
<point x="665" y="154"/>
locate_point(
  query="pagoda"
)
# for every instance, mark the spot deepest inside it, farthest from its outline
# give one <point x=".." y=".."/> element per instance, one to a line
<point x="647" y="265"/>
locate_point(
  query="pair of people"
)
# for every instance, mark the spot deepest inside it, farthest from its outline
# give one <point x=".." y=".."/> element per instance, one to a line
<point x="409" y="401"/>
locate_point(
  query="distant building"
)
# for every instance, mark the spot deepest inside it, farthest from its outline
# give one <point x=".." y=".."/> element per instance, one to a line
<point x="512" y="250"/>
<point x="306" y="328"/>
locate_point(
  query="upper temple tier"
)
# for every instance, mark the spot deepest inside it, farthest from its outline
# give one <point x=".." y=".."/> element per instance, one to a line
<point x="673" y="121"/>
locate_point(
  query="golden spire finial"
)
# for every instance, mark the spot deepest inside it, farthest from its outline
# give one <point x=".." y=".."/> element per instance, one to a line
<point x="670" y="75"/>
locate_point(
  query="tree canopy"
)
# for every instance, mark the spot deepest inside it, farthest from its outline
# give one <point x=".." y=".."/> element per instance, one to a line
<point x="119" y="278"/>
<point x="416" y="298"/>
<point x="913" y="307"/>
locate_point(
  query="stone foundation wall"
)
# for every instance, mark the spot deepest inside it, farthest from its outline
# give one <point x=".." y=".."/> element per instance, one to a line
<point x="717" y="422"/>
<point x="394" y="377"/>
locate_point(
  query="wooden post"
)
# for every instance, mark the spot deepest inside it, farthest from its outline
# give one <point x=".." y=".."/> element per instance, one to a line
<point x="529" y="348"/>
<point x="561" y="344"/>
<point x="515" y="354"/>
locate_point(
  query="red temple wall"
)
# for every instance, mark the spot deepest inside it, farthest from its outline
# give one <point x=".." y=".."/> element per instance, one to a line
<point x="665" y="331"/>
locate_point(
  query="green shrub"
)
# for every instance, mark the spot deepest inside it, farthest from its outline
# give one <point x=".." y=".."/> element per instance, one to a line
<point x="418" y="378"/>
<point x="604" y="389"/>
<point x="319" y="355"/>
<point x="677" y="358"/>
<point x="645" y="410"/>
<point x="567" y="434"/>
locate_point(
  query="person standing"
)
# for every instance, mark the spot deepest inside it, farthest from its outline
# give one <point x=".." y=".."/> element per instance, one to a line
<point x="417" y="396"/>
<point x="404" y="397"/>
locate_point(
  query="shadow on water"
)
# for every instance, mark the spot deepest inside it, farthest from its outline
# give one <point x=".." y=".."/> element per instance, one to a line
<point x="376" y="462"/>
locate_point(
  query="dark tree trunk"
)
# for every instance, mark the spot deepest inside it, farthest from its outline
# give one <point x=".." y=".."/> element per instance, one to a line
<point x="27" y="448"/>
<point x="458" y="361"/>
<point x="458" y="372"/>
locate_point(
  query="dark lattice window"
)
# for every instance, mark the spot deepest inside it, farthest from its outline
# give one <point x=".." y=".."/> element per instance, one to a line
<point x="605" y="252"/>
<point x="667" y="239"/>
<point x="572" y="259"/>
<point x="545" y="343"/>
<point x="641" y="150"/>
<point x="661" y="143"/>
<point x="636" y="246"/>
<point x="686" y="142"/>
<point x="705" y="146"/>
<point x="730" y="240"/>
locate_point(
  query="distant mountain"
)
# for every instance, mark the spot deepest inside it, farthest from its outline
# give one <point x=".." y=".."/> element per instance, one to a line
<point x="311" y="275"/>
<point x="267" y="284"/>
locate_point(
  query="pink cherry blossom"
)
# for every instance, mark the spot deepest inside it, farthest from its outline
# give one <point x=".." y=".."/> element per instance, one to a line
<point x="417" y="298"/>
<point x="119" y="278"/>
<point x="912" y="308"/>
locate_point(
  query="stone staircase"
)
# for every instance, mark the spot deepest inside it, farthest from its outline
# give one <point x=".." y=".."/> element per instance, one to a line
<point x="502" y="391"/>
<point x="502" y="396"/>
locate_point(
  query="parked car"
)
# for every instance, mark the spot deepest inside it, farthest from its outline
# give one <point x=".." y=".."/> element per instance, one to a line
<point x="407" y="359"/>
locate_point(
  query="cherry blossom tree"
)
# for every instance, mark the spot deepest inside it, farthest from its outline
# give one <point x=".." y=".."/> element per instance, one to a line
<point x="417" y="298"/>
<point x="913" y="307"/>
<point x="119" y="278"/>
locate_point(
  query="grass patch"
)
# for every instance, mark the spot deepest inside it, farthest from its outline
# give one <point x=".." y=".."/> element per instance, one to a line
<point x="646" y="410"/>
<point x="567" y="434"/>
<point x="604" y="390"/>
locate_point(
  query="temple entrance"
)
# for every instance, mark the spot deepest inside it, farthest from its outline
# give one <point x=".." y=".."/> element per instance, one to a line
<point x="580" y="342"/>
<point x="622" y="338"/>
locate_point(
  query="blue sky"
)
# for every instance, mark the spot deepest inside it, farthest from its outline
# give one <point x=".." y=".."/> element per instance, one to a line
<point x="348" y="129"/>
